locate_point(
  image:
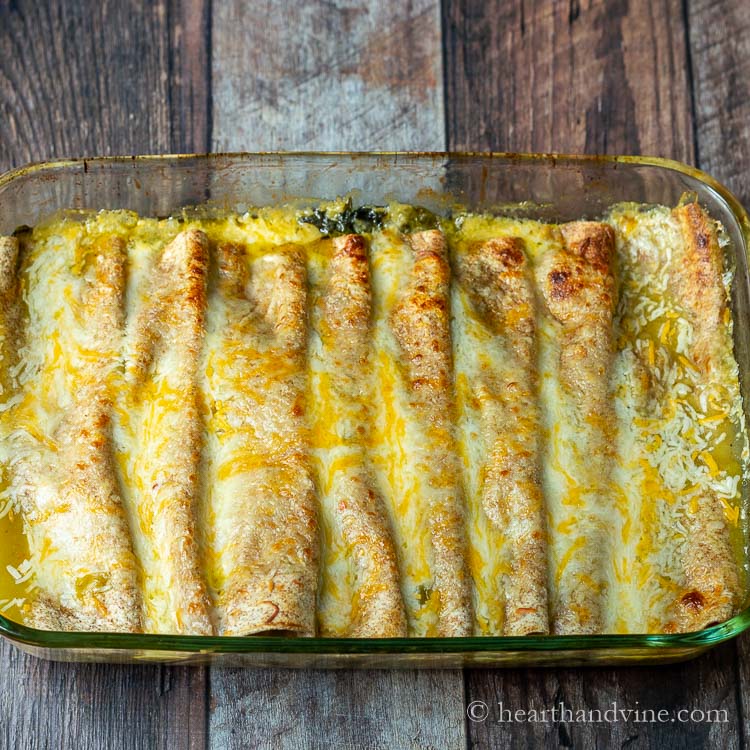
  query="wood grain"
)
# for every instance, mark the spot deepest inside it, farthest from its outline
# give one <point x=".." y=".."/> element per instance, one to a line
<point x="742" y="686"/>
<point x="705" y="684"/>
<point x="189" y="75"/>
<point x="327" y="74"/>
<point x="95" y="706"/>
<point x="93" y="78"/>
<point x="101" y="78"/>
<point x="595" y="76"/>
<point x="720" y="66"/>
<point x="720" y="58"/>
<point x="341" y="709"/>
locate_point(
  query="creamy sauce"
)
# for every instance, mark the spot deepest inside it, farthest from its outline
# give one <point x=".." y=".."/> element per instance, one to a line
<point x="668" y="449"/>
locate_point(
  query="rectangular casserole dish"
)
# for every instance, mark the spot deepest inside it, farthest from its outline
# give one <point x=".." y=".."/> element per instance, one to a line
<point x="551" y="188"/>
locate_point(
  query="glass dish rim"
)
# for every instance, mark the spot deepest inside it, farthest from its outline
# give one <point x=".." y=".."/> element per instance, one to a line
<point x="259" y="644"/>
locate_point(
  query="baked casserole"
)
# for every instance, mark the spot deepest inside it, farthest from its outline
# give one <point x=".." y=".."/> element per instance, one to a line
<point x="370" y="422"/>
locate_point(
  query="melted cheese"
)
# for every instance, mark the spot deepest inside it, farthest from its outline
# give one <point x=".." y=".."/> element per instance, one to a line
<point x="396" y="442"/>
<point x="333" y="419"/>
<point x="677" y="437"/>
<point x="674" y="436"/>
<point x="475" y="351"/>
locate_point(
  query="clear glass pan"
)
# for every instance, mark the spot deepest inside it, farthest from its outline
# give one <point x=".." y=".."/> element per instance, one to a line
<point x="555" y="188"/>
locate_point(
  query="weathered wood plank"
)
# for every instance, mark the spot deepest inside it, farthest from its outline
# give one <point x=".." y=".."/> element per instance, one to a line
<point x="743" y="685"/>
<point x="100" y="78"/>
<point x="593" y="76"/>
<point x="93" y="706"/>
<point x="189" y="75"/>
<point x="704" y="685"/>
<point x="330" y="75"/>
<point x="327" y="75"/>
<point x="344" y="709"/>
<point x="91" y="78"/>
<point x="720" y="56"/>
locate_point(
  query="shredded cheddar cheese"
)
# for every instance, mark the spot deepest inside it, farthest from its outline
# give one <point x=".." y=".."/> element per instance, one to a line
<point x="678" y="449"/>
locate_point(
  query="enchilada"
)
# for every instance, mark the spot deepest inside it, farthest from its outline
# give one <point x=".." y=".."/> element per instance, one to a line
<point x="377" y="423"/>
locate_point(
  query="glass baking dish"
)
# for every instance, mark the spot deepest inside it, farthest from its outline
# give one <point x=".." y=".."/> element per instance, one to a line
<point x="549" y="187"/>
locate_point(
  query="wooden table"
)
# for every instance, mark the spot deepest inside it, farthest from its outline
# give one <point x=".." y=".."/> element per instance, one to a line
<point x="663" y="77"/>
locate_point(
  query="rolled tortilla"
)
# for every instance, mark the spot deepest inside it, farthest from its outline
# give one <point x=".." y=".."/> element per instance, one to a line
<point x="355" y="517"/>
<point x="578" y="287"/>
<point x="711" y="587"/>
<point x="496" y="362"/>
<point x="166" y="432"/>
<point x="77" y="528"/>
<point x="264" y="544"/>
<point x="419" y="324"/>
